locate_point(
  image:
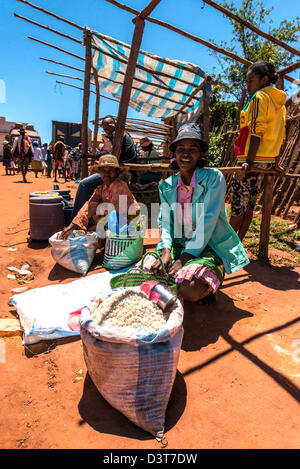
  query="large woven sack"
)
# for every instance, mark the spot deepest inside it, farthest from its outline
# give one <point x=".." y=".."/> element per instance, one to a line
<point x="75" y="253"/>
<point x="134" y="369"/>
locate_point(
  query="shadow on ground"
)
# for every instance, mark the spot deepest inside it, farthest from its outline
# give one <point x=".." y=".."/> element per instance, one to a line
<point x="204" y="324"/>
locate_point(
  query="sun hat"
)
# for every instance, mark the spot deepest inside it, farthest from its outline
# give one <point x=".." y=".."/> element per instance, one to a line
<point x="188" y="131"/>
<point x="106" y="161"/>
<point x="145" y="142"/>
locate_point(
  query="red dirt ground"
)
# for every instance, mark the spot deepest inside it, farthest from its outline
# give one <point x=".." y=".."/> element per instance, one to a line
<point x="238" y="372"/>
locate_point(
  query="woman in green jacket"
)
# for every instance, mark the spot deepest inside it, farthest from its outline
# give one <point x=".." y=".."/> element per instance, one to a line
<point x="197" y="243"/>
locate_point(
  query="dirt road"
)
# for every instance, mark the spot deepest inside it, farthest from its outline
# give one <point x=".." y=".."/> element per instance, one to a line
<point x="237" y="384"/>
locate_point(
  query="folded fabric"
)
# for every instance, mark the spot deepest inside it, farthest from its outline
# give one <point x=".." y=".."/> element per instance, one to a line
<point x="44" y="312"/>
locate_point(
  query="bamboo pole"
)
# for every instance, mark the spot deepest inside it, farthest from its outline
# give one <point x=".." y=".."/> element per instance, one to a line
<point x="248" y="25"/>
<point x="64" y="76"/>
<point x="85" y="104"/>
<point x="183" y="33"/>
<point x="148" y="9"/>
<point x="130" y="70"/>
<point x="185" y="105"/>
<point x="94" y="92"/>
<point x="164" y="60"/>
<point x="73" y="86"/>
<point x="64" y="65"/>
<point x="60" y="18"/>
<point x="161" y="23"/>
<point x="96" y="125"/>
<point x="126" y="91"/>
<point x="123" y="73"/>
<point x="189" y="36"/>
<point x="66" y="36"/>
<point x="55" y="47"/>
<point x="289" y="68"/>
<point x="205" y="114"/>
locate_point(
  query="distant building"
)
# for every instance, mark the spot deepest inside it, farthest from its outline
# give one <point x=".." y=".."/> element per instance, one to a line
<point x="10" y="130"/>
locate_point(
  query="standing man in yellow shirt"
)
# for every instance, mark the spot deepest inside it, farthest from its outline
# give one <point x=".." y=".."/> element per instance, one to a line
<point x="262" y="131"/>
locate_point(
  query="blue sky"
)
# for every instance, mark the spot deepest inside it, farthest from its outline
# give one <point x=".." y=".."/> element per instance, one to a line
<point x="33" y="96"/>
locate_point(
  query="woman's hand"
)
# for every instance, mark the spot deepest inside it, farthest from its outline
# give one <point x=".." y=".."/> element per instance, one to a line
<point x="66" y="232"/>
<point x="183" y="259"/>
<point x="166" y="259"/>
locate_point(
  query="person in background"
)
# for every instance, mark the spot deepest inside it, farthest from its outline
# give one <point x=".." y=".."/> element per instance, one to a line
<point x="44" y="158"/>
<point x="67" y="163"/>
<point x="109" y="191"/>
<point x="23" y="151"/>
<point x="128" y="155"/>
<point x="36" y="162"/>
<point x="58" y="156"/>
<point x="149" y="153"/>
<point x="7" y="157"/>
<point x="105" y="145"/>
<point x="49" y="161"/>
<point x="262" y="131"/>
<point x="197" y="243"/>
<point x="75" y="156"/>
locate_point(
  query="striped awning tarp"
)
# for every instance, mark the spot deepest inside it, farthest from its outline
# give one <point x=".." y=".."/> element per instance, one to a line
<point x="160" y="87"/>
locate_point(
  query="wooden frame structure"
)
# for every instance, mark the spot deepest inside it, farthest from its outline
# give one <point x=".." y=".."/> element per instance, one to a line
<point x="139" y="22"/>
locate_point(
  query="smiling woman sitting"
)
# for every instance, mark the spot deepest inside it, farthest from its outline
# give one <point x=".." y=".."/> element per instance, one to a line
<point x="197" y="243"/>
<point x="108" y="192"/>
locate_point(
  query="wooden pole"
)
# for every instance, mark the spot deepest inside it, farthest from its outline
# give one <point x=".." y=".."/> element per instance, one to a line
<point x="189" y="36"/>
<point x="96" y="124"/>
<point x="185" y="105"/>
<point x="51" y="14"/>
<point x="64" y="76"/>
<point x="289" y="68"/>
<point x="126" y="91"/>
<point x="94" y="92"/>
<point x="205" y="113"/>
<point x="64" y="65"/>
<point x="266" y="217"/>
<point x="248" y="25"/>
<point x="55" y="47"/>
<point x="132" y="61"/>
<point x="85" y="105"/>
<point x="48" y="28"/>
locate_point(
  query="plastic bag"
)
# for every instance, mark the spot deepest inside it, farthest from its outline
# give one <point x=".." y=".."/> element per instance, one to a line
<point x="75" y="253"/>
<point x="134" y="369"/>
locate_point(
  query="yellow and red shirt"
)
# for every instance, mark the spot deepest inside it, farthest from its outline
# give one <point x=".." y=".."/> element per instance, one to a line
<point x="263" y="116"/>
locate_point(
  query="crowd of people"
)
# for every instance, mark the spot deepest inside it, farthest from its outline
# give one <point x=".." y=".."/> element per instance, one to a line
<point x="60" y="160"/>
<point x="24" y="154"/>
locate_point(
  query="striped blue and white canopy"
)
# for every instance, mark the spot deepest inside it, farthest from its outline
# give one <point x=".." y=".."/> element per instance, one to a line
<point x="161" y="87"/>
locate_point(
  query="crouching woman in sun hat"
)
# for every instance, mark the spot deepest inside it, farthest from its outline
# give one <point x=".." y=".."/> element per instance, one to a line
<point x="197" y="243"/>
<point x="108" y="192"/>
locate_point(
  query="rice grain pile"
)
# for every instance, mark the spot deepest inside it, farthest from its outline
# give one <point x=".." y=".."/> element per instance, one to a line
<point x="130" y="308"/>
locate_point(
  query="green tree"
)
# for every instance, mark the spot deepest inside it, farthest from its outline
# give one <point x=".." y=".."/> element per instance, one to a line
<point x="253" y="47"/>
